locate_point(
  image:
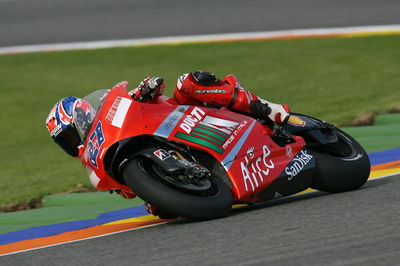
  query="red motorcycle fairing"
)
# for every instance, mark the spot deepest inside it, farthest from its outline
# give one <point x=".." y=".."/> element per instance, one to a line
<point x="243" y="146"/>
<point x="256" y="161"/>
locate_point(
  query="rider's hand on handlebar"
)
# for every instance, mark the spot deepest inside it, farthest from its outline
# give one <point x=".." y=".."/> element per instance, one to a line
<point x="277" y="113"/>
<point x="148" y="89"/>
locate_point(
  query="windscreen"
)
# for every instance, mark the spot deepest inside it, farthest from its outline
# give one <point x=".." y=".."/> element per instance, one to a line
<point x="85" y="111"/>
<point x="96" y="98"/>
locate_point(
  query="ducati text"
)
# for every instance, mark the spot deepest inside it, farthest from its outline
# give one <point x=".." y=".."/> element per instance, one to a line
<point x="190" y="120"/>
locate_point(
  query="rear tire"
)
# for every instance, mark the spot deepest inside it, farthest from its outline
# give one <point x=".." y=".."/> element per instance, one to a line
<point x="144" y="182"/>
<point x="343" y="166"/>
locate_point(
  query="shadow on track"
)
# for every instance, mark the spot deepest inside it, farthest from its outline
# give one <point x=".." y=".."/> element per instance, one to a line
<point x="289" y="199"/>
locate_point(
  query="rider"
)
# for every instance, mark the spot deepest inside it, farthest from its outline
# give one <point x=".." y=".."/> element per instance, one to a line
<point x="197" y="88"/>
<point x="203" y="88"/>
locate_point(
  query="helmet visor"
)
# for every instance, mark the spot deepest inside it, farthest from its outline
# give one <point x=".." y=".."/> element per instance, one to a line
<point x="83" y="118"/>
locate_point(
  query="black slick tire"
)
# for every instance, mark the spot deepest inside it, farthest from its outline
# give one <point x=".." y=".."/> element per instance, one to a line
<point x="196" y="207"/>
<point x="337" y="173"/>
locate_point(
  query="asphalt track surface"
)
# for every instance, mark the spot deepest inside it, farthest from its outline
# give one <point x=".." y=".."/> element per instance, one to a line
<point x="352" y="228"/>
<point x="25" y="22"/>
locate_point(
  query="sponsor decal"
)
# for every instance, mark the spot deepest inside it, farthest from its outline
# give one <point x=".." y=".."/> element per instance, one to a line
<point x="210" y="91"/>
<point x="169" y="123"/>
<point x="235" y="134"/>
<point x="250" y="152"/>
<point x="254" y="172"/>
<point x="162" y="154"/>
<point x="117" y="113"/>
<point x="208" y="131"/>
<point x="54" y="133"/>
<point x="297" y="164"/>
<point x="289" y="151"/>
<point x="296" y="121"/>
<point x="96" y="140"/>
<point x="111" y="113"/>
<point x="172" y="119"/>
<point x="190" y="120"/>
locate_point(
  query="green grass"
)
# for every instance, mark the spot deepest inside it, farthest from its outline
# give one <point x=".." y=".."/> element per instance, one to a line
<point x="334" y="79"/>
<point x="384" y="134"/>
<point x="64" y="208"/>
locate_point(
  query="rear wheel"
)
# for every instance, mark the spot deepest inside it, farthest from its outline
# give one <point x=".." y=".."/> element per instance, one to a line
<point x="197" y="199"/>
<point x="341" y="166"/>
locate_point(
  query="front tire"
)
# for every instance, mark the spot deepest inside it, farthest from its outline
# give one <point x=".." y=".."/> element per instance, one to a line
<point x="342" y="166"/>
<point x="215" y="203"/>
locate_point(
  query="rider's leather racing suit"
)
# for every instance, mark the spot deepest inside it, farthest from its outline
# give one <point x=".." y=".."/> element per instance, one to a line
<point x="203" y="88"/>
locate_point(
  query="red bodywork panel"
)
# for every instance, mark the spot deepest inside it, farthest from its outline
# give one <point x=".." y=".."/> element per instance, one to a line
<point x="241" y="144"/>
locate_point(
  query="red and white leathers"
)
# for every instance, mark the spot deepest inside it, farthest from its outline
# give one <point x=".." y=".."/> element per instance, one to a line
<point x="228" y="93"/>
<point x="202" y="88"/>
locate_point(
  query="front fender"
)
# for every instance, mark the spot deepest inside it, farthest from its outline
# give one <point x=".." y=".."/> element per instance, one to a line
<point x="121" y="151"/>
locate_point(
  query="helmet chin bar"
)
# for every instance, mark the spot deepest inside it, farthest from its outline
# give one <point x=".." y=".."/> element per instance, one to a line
<point x="69" y="140"/>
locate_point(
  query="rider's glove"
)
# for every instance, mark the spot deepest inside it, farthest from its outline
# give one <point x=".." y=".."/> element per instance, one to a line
<point x="148" y="89"/>
<point x="277" y="113"/>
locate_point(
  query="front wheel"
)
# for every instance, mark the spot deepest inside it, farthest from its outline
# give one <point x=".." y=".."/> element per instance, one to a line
<point x="341" y="166"/>
<point x="206" y="202"/>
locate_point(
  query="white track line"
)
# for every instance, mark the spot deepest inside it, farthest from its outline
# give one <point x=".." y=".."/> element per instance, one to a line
<point x="92" y="237"/>
<point x="200" y="38"/>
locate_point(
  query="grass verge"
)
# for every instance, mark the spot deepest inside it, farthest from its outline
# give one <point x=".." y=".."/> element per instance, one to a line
<point x="334" y="79"/>
<point x="383" y="135"/>
<point x="64" y="208"/>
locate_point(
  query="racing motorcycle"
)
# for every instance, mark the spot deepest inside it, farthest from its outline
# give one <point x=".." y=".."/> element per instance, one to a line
<point x="196" y="162"/>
